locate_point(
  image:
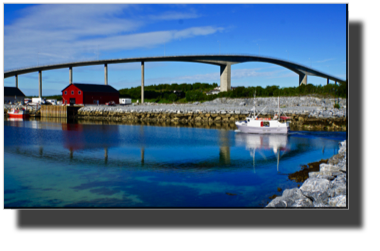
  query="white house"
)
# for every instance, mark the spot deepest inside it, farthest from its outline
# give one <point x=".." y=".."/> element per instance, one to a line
<point x="215" y="91"/>
<point x="38" y="100"/>
<point x="125" y="101"/>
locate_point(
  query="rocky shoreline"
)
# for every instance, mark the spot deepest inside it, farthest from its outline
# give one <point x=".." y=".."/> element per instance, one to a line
<point x="307" y="113"/>
<point x="323" y="188"/>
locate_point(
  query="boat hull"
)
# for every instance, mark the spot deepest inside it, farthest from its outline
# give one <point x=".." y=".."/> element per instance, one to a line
<point x="262" y="130"/>
<point x="18" y="116"/>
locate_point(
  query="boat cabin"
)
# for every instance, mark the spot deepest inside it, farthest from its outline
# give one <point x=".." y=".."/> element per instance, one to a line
<point x="262" y="122"/>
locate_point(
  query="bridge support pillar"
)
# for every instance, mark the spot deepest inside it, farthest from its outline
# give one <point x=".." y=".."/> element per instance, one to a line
<point x="142" y="82"/>
<point x="302" y="79"/>
<point x="70" y="75"/>
<point x="328" y="81"/>
<point x="336" y="82"/>
<point x="40" y="84"/>
<point x="105" y="74"/>
<point x="16" y="80"/>
<point x="225" y="78"/>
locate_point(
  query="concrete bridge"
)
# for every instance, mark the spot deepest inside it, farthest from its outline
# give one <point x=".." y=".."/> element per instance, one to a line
<point x="223" y="61"/>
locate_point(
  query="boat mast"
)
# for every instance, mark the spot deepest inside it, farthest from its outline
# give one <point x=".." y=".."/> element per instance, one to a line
<point x="278" y="115"/>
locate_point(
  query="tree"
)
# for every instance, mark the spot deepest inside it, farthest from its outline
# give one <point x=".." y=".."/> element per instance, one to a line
<point x="172" y="97"/>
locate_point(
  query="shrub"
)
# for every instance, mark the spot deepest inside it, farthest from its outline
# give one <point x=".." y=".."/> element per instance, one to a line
<point x="337" y="106"/>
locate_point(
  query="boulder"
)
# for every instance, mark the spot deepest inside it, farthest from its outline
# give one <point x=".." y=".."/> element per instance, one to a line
<point x="339" y="201"/>
<point x="322" y="175"/>
<point x="316" y="190"/>
<point x="337" y="187"/>
<point x="291" y="198"/>
<point x="328" y="168"/>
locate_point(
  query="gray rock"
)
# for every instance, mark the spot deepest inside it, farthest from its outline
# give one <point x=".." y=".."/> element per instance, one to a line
<point x="328" y="168"/>
<point x="322" y="175"/>
<point x="338" y="186"/>
<point x="339" y="201"/>
<point x="291" y="198"/>
<point x="316" y="190"/>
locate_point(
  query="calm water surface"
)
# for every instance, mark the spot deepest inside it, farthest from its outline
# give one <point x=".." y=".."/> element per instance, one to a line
<point x="82" y="165"/>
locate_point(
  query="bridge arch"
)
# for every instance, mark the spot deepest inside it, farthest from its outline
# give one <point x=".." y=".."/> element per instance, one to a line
<point x="224" y="61"/>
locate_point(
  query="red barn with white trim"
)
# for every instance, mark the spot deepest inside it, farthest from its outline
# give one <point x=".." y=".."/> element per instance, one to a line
<point x="83" y="94"/>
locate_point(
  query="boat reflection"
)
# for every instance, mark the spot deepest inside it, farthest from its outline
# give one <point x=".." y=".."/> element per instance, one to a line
<point x="258" y="142"/>
<point x="15" y="119"/>
<point x="16" y="122"/>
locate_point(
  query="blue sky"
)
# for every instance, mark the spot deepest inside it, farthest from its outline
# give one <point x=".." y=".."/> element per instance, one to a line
<point x="309" y="34"/>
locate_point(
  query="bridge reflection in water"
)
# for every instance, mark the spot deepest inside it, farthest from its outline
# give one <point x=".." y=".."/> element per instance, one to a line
<point x="82" y="136"/>
<point x="224" y="147"/>
<point x="252" y="142"/>
<point x="79" y="141"/>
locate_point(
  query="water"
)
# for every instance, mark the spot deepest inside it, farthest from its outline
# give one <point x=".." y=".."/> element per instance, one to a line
<point x="85" y="165"/>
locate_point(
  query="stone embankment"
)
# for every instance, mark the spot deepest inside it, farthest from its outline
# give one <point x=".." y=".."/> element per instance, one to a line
<point x="324" y="188"/>
<point x="305" y="112"/>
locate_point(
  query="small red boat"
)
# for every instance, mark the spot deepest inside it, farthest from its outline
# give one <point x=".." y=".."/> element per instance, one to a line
<point x="19" y="113"/>
<point x="285" y="117"/>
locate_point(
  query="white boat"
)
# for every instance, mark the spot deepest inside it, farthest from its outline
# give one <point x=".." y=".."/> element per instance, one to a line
<point x="254" y="124"/>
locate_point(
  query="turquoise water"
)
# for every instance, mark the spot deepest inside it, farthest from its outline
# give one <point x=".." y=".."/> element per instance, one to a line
<point x="82" y="165"/>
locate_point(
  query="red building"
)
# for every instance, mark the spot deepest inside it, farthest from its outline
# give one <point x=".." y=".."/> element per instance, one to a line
<point x="89" y="94"/>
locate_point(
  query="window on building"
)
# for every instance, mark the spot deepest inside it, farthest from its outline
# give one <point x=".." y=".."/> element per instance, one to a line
<point x="65" y="92"/>
<point x="72" y="92"/>
<point x="79" y="92"/>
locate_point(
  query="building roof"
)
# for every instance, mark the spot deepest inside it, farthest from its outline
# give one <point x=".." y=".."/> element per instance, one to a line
<point x="13" y="91"/>
<point x="93" y="88"/>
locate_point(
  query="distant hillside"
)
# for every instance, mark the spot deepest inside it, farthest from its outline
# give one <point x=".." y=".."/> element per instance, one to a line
<point x="197" y="92"/>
